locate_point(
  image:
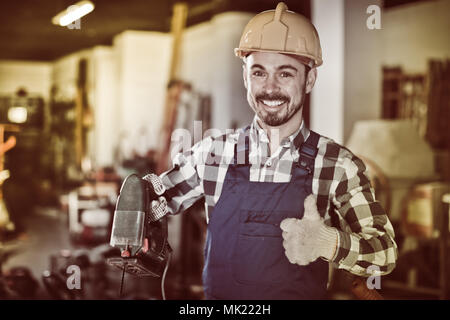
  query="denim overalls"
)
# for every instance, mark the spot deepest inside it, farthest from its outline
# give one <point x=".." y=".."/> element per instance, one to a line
<point x="244" y="254"/>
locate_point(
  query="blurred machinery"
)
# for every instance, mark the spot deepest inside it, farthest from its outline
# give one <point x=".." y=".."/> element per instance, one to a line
<point x="395" y="150"/>
<point x="404" y="162"/>
<point x="6" y="225"/>
<point x="423" y="262"/>
<point x="418" y="187"/>
<point x="17" y="282"/>
<point x="96" y="281"/>
<point x="22" y="119"/>
<point x="423" y="99"/>
<point x="90" y="209"/>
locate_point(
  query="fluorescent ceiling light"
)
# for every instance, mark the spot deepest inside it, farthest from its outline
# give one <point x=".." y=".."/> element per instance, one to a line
<point x="73" y="13"/>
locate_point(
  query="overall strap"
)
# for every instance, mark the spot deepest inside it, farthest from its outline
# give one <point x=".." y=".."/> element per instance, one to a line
<point x="308" y="152"/>
<point x="242" y="147"/>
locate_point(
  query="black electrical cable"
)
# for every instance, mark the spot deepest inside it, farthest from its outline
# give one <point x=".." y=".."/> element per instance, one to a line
<point x="163" y="278"/>
<point x="121" y="281"/>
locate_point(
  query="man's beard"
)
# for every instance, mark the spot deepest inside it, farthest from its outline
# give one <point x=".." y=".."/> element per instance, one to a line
<point x="275" y="119"/>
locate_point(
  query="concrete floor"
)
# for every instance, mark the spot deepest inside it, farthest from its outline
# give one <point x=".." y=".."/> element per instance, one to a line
<point x="45" y="233"/>
<point x="42" y="234"/>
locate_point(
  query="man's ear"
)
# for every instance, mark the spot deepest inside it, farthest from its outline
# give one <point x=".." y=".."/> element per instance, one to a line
<point x="244" y="74"/>
<point x="311" y="80"/>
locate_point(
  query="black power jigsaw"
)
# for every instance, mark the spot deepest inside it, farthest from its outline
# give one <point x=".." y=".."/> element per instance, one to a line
<point x="139" y="232"/>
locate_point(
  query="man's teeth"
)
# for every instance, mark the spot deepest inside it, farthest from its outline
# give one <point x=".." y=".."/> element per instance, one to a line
<point x="273" y="103"/>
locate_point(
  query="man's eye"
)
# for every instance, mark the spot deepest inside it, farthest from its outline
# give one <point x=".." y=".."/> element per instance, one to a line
<point x="258" y="74"/>
<point x="285" y="75"/>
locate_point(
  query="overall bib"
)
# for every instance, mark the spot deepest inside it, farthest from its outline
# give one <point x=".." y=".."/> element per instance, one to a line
<point x="244" y="254"/>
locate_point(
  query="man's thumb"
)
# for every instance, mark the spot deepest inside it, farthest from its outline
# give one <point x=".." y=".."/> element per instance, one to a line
<point x="287" y="224"/>
<point x="311" y="212"/>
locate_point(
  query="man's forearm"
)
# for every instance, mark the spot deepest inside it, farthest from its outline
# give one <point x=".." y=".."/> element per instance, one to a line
<point x="366" y="236"/>
<point x="355" y="252"/>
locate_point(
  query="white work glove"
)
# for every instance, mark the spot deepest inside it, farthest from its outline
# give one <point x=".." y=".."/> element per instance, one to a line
<point x="159" y="207"/>
<point x="308" y="238"/>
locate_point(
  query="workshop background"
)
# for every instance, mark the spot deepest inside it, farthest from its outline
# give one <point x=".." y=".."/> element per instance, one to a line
<point x="83" y="106"/>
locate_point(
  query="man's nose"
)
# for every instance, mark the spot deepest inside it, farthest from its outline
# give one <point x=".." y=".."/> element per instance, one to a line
<point x="271" y="84"/>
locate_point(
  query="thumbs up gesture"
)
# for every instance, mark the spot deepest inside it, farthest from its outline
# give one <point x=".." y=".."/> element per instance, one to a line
<point x="306" y="239"/>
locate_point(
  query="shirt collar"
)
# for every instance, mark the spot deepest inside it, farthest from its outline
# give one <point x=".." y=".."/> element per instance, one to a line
<point x="295" y="139"/>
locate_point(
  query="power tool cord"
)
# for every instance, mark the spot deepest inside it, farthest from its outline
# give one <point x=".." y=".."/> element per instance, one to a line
<point x="163" y="278"/>
<point x="121" y="282"/>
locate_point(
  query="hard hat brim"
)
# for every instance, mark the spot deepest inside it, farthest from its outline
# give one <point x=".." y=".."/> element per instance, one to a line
<point x="242" y="53"/>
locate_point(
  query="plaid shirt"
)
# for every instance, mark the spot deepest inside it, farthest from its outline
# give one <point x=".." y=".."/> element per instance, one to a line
<point x="344" y="195"/>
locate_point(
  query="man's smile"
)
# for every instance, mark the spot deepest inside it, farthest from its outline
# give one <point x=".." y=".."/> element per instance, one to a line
<point x="272" y="104"/>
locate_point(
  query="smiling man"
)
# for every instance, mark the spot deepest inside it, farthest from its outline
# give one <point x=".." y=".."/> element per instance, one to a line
<point x="277" y="85"/>
<point x="283" y="202"/>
